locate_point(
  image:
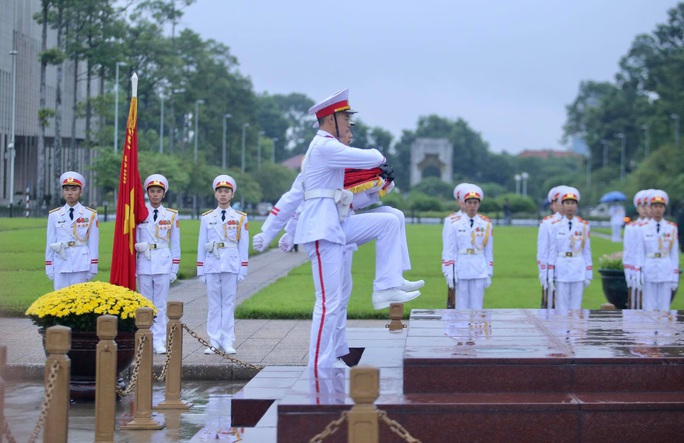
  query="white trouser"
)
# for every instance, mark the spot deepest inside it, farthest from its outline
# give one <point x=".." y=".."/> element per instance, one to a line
<point x="569" y="295"/>
<point x="470" y="293"/>
<point x="657" y="296"/>
<point x="155" y="287"/>
<point x="221" y="293"/>
<point x="64" y="279"/>
<point x="326" y="386"/>
<point x="340" y="339"/>
<point x="384" y="229"/>
<point x="405" y="259"/>
<point x="327" y="270"/>
<point x="616" y="233"/>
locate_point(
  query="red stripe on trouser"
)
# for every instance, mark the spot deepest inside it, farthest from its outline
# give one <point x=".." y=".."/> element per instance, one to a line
<point x="320" y="327"/>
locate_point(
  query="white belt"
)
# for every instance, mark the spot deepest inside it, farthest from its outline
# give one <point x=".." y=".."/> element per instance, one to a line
<point x="319" y="193"/>
<point x="568" y="254"/>
<point x="656" y="255"/>
<point x="470" y="251"/>
<point x="222" y="245"/>
<point x="73" y="243"/>
<point x="158" y="245"/>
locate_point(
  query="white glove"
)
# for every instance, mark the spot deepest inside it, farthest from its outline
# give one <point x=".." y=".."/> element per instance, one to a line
<point x="637" y="282"/>
<point x="203" y="279"/>
<point x="173" y="277"/>
<point x="140" y="247"/>
<point x="550" y="283"/>
<point x="448" y="271"/>
<point x="286" y="242"/>
<point x="542" y="279"/>
<point x="259" y="242"/>
<point x="241" y="278"/>
<point x="91" y="276"/>
<point x="51" y="276"/>
<point x="586" y="283"/>
<point x="674" y="286"/>
<point x="488" y="282"/>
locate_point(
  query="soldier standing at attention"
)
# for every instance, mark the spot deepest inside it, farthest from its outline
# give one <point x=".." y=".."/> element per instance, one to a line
<point x="467" y="254"/>
<point x="629" y="248"/>
<point x="222" y="259"/>
<point x="570" y="263"/>
<point x="543" y="244"/>
<point x="158" y="256"/>
<point x="657" y="257"/>
<point x="71" y="253"/>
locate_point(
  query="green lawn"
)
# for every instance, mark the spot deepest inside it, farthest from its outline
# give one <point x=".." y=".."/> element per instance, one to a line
<point x="514" y="284"/>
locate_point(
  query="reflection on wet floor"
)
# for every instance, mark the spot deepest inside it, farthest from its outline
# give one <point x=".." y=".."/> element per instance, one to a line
<point x="207" y="420"/>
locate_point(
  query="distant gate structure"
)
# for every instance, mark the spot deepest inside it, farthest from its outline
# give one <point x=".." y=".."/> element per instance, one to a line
<point x="431" y="157"/>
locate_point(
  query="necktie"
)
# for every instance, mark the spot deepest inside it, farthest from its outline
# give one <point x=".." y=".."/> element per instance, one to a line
<point x="223" y="215"/>
<point x="155" y="214"/>
<point x="569" y="226"/>
<point x="71" y="213"/>
<point x="471" y="222"/>
<point x="658" y="228"/>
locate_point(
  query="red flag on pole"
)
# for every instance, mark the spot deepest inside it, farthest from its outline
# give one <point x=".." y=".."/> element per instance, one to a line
<point x="130" y="207"/>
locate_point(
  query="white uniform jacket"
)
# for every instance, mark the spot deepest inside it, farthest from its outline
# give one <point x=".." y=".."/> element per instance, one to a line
<point x="629" y="245"/>
<point x="470" y="249"/>
<point x="543" y="240"/>
<point x="570" y="250"/>
<point x="223" y="246"/>
<point x="162" y="255"/>
<point x="284" y="209"/>
<point x="323" y="171"/>
<point x="656" y="254"/>
<point x="72" y="245"/>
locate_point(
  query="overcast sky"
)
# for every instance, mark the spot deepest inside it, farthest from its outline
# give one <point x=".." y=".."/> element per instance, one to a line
<point x="507" y="67"/>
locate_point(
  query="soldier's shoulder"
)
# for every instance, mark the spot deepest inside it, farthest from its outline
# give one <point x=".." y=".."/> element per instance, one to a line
<point x="240" y="212"/>
<point x="91" y="209"/>
<point x="55" y="210"/>
<point x="586" y="222"/>
<point x="672" y="223"/>
<point x="553" y="222"/>
<point x="548" y="217"/>
<point x="485" y="218"/>
<point x="208" y="212"/>
<point x="175" y="211"/>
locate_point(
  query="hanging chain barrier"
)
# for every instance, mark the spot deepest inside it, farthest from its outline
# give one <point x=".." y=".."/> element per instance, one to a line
<point x="169" y="350"/>
<point x="220" y="352"/>
<point x="394" y="426"/>
<point x="136" y="367"/>
<point x="46" y="402"/>
<point x="330" y="429"/>
<point x="7" y="433"/>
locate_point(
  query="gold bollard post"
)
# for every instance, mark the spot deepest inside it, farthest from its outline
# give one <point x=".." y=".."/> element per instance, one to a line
<point x="105" y="379"/>
<point x="364" y="388"/>
<point x="57" y="344"/>
<point x="172" y="394"/>
<point x="142" y="417"/>
<point x="396" y="314"/>
<point x="3" y="362"/>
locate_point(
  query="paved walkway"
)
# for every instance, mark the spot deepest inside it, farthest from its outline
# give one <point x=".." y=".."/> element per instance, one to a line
<point x="260" y="342"/>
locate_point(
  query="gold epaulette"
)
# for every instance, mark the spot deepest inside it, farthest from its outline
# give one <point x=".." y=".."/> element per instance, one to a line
<point x="547" y="217"/>
<point x="485" y="218"/>
<point x="586" y="222"/>
<point x="91" y="209"/>
<point x="175" y="211"/>
<point x="241" y="213"/>
<point x="56" y="209"/>
<point x="671" y="223"/>
<point x="208" y="212"/>
<point x="556" y="221"/>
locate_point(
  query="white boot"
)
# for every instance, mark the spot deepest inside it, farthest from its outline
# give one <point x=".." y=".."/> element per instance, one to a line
<point x="382" y="299"/>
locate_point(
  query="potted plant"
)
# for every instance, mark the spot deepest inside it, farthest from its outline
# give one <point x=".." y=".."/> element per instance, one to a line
<point x="613" y="279"/>
<point x="78" y="307"/>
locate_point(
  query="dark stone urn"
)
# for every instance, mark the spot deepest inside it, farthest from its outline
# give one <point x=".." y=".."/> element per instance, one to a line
<point x="614" y="287"/>
<point x="83" y="355"/>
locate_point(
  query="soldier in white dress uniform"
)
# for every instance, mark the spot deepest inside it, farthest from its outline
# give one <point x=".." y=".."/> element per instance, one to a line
<point x="657" y="256"/>
<point x="158" y="255"/>
<point x="222" y="261"/>
<point x="570" y="264"/>
<point x="321" y="223"/>
<point x="629" y="248"/>
<point x="557" y="212"/>
<point x="467" y="253"/>
<point x="71" y="253"/>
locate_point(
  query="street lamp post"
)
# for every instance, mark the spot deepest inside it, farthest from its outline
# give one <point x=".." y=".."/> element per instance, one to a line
<point x="197" y="103"/>
<point x="261" y="133"/>
<point x="161" y="122"/>
<point x="675" y="117"/>
<point x="242" y="164"/>
<point x="517" y="178"/>
<point x="10" y="146"/>
<point x="621" y="136"/>
<point x="116" y="107"/>
<point x="646" y="141"/>
<point x="275" y="139"/>
<point x="223" y="152"/>
<point x="524" y="176"/>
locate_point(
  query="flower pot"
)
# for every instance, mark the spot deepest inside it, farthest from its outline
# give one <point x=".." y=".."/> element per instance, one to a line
<point x="83" y="356"/>
<point x="614" y="287"/>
